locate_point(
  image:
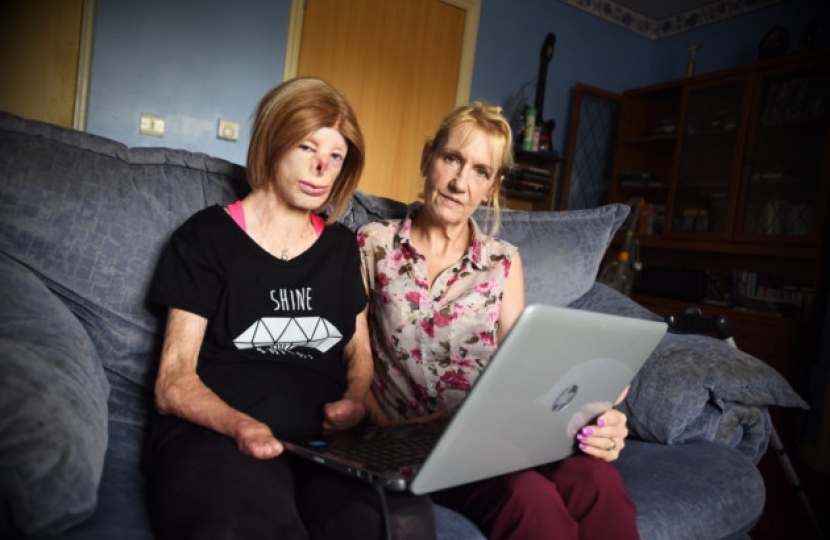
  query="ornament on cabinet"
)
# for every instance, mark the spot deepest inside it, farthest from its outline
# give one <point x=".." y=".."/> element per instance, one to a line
<point x="690" y="65"/>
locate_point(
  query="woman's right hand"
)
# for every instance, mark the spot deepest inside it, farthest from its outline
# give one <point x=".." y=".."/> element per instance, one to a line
<point x="180" y="391"/>
<point x="255" y="439"/>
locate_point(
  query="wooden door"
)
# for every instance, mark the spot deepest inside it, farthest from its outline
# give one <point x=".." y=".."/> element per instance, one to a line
<point x="44" y="66"/>
<point x="403" y="65"/>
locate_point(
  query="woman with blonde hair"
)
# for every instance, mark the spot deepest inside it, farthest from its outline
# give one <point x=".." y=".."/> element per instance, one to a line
<point x="443" y="294"/>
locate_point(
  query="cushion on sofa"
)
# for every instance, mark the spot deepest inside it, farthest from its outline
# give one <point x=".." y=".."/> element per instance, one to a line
<point x="561" y="250"/>
<point x="53" y="413"/>
<point x="697" y="388"/>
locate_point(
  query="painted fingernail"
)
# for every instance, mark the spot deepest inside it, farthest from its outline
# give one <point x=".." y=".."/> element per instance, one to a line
<point x="601" y="422"/>
<point x="587" y="431"/>
<point x="583" y="446"/>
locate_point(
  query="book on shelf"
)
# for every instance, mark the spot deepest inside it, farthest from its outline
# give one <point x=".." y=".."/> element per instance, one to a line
<point x="640" y="179"/>
<point x="665" y="126"/>
<point x="757" y="291"/>
<point x="529" y="180"/>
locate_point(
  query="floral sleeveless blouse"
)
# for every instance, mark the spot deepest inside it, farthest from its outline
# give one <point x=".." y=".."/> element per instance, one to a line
<point x="430" y="345"/>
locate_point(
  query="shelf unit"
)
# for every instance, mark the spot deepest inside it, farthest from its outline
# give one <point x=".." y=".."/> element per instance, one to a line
<point x="534" y="183"/>
<point x="734" y="170"/>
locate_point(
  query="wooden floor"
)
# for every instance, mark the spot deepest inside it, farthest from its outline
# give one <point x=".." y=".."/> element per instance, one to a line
<point x="785" y="515"/>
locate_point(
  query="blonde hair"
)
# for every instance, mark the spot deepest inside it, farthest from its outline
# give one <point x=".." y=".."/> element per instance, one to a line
<point x="489" y="118"/>
<point x="291" y="112"/>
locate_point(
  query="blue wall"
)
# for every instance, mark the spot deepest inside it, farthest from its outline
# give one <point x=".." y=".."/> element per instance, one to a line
<point x="195" y="61"/>
<point x="190" y="61"/>
<point x="734" y="41"/>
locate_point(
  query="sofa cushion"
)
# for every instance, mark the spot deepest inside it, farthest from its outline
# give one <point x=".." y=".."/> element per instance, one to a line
<point x="561" y="250"/>
<point x="693" y="491"/>
<point x="53" y="413"/>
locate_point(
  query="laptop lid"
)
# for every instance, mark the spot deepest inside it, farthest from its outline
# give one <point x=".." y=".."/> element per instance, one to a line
<point x="557" y="369"/>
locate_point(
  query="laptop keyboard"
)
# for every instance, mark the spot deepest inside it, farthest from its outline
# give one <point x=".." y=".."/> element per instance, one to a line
<point x="388" y="453"/>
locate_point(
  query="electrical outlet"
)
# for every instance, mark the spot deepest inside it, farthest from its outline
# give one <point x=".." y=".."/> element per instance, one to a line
<point x="151" y="125"/>
<point x="228" y="130"/>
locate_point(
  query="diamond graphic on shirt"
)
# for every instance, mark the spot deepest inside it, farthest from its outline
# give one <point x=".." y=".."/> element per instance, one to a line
<point x="276" y="334"/>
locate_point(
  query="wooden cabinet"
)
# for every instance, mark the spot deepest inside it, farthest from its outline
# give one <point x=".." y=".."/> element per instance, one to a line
<point x="734" y="171"/>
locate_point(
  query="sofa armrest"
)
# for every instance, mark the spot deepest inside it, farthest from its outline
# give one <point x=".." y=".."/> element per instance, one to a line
<point x="53" y="409"/>
<point x="695" y="387"/>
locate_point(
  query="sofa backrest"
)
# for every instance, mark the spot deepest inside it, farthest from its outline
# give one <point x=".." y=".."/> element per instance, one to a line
<point x="561" y="251"/>
<point x="89" y="216"/>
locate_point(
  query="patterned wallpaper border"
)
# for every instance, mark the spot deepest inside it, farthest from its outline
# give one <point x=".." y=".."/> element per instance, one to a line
<point x="660" y="28"/>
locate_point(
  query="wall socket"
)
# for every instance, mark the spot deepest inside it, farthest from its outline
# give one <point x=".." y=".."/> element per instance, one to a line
<point x="151" y="125"/>
<point x="228" y="130"/>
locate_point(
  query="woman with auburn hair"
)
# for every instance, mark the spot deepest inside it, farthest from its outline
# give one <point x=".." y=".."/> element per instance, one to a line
<point x="266" y="334"/>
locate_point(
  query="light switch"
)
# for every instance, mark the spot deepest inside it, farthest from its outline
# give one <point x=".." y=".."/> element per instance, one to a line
<point x="152" y="125"/>
<point x="228" y="130"/>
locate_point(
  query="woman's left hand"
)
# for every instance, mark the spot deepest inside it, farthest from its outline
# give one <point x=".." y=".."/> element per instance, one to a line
<point x="606" y="438"/>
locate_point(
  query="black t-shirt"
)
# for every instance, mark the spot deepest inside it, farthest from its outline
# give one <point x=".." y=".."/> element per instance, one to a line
<point x="276" y="329"/>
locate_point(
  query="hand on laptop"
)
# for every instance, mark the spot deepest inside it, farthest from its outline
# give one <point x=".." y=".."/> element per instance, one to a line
<point x="343" y="414"/>
<point x="606" y="438"/>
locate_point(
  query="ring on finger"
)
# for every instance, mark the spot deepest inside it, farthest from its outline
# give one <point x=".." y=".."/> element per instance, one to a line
<point x="613" y="445"/>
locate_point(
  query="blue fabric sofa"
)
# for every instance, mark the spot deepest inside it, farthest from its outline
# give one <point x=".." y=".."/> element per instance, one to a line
<point x="82" y="220"/>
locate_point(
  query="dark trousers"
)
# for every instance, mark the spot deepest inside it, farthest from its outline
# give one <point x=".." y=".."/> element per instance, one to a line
<point x="206" y="489"/>
<point x="581" y="497"/>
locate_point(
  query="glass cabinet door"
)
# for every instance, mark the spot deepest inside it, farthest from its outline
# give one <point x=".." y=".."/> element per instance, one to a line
<point x="708" y="160"/>
<point x="785" y="164"/>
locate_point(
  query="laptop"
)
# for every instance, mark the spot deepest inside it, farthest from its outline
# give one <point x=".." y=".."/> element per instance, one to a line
<point x="556" y="371"/>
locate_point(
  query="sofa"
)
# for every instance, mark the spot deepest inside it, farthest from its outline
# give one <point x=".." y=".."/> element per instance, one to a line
<point x="83" y="221"/>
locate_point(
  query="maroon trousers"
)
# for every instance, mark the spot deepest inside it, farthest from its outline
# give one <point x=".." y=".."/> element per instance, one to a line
<point x="581" y="497"/>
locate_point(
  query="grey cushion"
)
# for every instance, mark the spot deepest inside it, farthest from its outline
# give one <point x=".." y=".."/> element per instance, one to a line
<point x="53" y="414"/>
<point x="561" y="250"/>
<point x="696" y="388"/>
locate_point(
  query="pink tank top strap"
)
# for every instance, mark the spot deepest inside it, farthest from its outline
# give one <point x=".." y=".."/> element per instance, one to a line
<point x="319" y="223"/>
<point x="237" y="212"/>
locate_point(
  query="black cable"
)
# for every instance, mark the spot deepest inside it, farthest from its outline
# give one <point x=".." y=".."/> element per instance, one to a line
<point x="384" y="508"/>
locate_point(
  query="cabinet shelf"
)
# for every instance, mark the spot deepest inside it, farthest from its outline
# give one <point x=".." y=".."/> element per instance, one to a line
<point x="540" y="171"/>
<point x="710" y="132"/>
<point x="765" y="249"/>
<point x="653" y="139"/>
<point x="784" y="180"/>
<point x="662" y="186"/>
